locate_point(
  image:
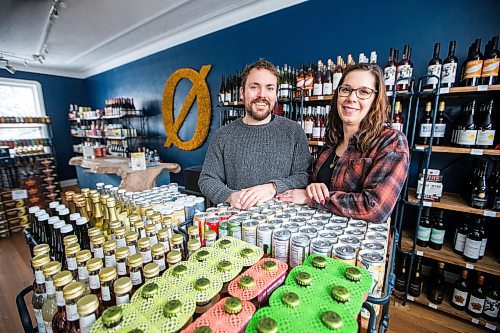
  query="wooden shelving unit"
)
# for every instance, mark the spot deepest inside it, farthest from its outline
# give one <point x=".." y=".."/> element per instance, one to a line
<point x="463" y="91"/>
<point x="457" y="150"/>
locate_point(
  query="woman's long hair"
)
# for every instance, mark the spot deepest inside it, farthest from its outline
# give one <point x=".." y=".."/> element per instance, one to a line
<point x="374" y="122"/>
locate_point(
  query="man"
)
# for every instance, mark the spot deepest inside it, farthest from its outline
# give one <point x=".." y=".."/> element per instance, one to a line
<point x="260" y="155"/>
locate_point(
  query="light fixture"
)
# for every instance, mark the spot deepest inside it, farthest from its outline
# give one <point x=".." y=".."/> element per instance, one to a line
<point x="10" y="69"/>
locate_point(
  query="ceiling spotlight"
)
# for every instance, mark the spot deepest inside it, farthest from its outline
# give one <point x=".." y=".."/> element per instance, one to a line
<point x="10" y="69"/>
<point x="63" y="4"/>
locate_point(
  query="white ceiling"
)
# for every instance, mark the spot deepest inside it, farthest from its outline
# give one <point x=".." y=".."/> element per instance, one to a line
<point x="91" y="36"/>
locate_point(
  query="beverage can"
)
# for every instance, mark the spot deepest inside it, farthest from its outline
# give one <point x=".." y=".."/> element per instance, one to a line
<point x="374" y="263"/>
<point x="299" y="249"/>
<point x="199" y="221"/>
<point x="249" y="231"/>
<point x="264" y="237"/>
<point x="212" y="223"/>
<point x="321" y="246"/>
<point x="223" y="229"/>
<point x="281" y="244"/>
<point x="345" y="253"/>
<point x="234" y="227"/>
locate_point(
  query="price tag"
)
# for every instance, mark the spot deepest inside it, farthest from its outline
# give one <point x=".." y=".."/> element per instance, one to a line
<point x="420" y="148"/>
<point x="476" y="152"/>
<point x="444" y="90"/>
<point x="434" y="306"/>
<point x="482" y="87"/>
<point x="427" y="203"/>
<point x="410" y="298"/>
<point x="19" y="194"/>
<point x="420" y="253"/>
<point x="389" y="93"/>
<point x="469" y="266"/>
<point x="306" y="99"/>
<point x="490" y="327"/>
<point x="320" y="143"/>
<point x="320" y="98"/>
<point x="475" y="320"/>
<point x="489" y="213"/>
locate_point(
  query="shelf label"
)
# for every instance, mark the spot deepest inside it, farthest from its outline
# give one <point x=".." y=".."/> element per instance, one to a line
<point x="19" y="194"/>
<point x="489" y="213"/>
<point x="320" y="98"/>
<point x="434" y="306"/>
<point x="444" y="90"/>
<point x="320" y="143"/>
<point x="389" y="93"/>
<point x="469" y="266"/>
<point x="306" y="99"/>
<point x="427" y="203"/>
<point x="410" y="298"/>
<point x="420" y="253"/>
<point x="420" y="148"/>
<point x="483" y="87"/>
<point x="476" y="152"/>
<point x="490" y="327"/>
<point x="475" y="320"/>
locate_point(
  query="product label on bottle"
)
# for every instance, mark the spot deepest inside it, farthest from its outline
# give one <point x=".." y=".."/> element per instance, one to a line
<point x="227" y="98"/>
<point x="154" y="240"/>
<point x="472" y="248"/>
<point x="160" y="263"/>
<point x="466" y="137"/>
<point x="479" y="200"/>
<point x="121" y="268"/>
<point x="425" y="130"/>
<point x="120" y="242"/>
<point x="449" y="73"/>
<point x="404" y="71"/>
<point x="132" y="250"/>
<point x="105" y="293"/>
<point x="83" y="274"/>
<point x="318" y="89"/>
<point x="460" y="242"/>
<point x="459" y="297"/>
<point x="166" y="245"/>
<point x="300" y="82"/>
<point x="39" y="277"/>
<point x="308" y="126"/>
<point x="439" y="130"/>
<point x="110" y="261"/>
<point x="94" y="282"/>
<point x="146" y="256"/>
<point x="483" y="247"/>
<point x="49" y="286"/>
<point x="473" y="69"/>
<point x="71" y="312"/>
<point x="39" y="320"/>
<point x="72" y="266"/>
<point x="424" y="234"/>
<point x="397" y="126"/>
<point x="336" y="80"/>
<point x="316" y="132"/>
<point x="98" y="252"/>
<point x="48" y="326"/>
<point x="122" y="299"/>
<point x="433" y="70"/>
<point x="496" y="203"/>
<point x="485" y="137"/>
<point x="491" y="307"/>
<point x="476" y="304"/>
<point x="136" y="278"/>
<point x="389" y="75"/>
<point x="86" y="323"/>
<point x="437" y="236"/>
<point x="328" y="88"/>
<point x="60" y="298"/>
<point x="308" y="83"/>
<point x="490" y="67"/>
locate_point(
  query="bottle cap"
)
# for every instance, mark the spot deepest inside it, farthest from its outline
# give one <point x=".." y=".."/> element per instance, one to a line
<point x="107" y="274"/>
<point x="246" y="252"/>
<point x="193" y="244"/>
<point x="52" y="268"/>
<point x="94" y="231"/>
<point x="157" y="249"/>
<point x="172" y="308"/>
<point x="303" y="278"/>
<point x="269" y="266"/>
<point x="39" y="261"/>
<point x="135" y="260"/>
<point x="233" y="305"/>
<point x="319" y="262"/>
<point x="150" y="290"/>
<point x="87" y="305"/>
<point x="122" y="285"/>
<point x="225" y="243"/>
<point x="332" y="320"/>
<point x="179" y="270"/>
<point x="353" y="274"/>
<point x="70" y="239"/>
<point x="163" y="233"/>
<point x="62" y="278"/>
<point x="174" y="257"/>
<point x="267" y="325"/>
<point x="247" y="282"/>
<point x="73" y="290"/>
<point x="41" y="249"/>
<point x="193" y="231"/>
<point x="112" y="316"/>
<point x="340" y="294"/>
<point x="177" y="239"/>
<point x="98" y="240"/>
<point x="151" y="270"/>
<point x="131" y="236"/>
<point x="202" y="255"/>
<point x="210" y="235"/>
<point x="290" y="299"/>
<point x="72" y="249"/>
<point x="224" y="265"/>
<point x="94" y="264"/>
<point x="120" y="231"/>
<point x="144" y="242"/>
<point x="202" y="284"/>
<point x="83" y="256"/>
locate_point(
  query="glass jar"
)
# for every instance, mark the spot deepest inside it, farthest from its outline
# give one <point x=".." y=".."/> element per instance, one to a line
<point x="98" y="242"/>
<point x="177" y="242"/>
<point x="156" y="220"/>
<point x="193" y="233"/>
<point x="158" y="252"/>
<point x="81" y="262"/>
<point x="119" y="235"/>
<point x="121" y="255"/>
<point x="123" y="290"/>
<point x="193" y="245"/>
<point x="71" y="264"/>
<point x="210" y="237"/>
<point x="93" y="267"/>
<point x="87" y="308"/>
<point x="72" y="293"/>
<point x="135" y="263"/>
<point x="144" y="245"/>
<point x="151" y="271"/>
<point x="131" y="240"/>
<point x="173" y="258"/>
<point x="109" y="253"/>
<point x="163" y="239"/>
<point x="107" y="276"/>
<point x="92" y="232"/>
<point x="151" y="233"/>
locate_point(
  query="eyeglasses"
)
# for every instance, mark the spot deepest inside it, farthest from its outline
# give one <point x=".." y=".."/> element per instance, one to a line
<point x="361" y="92"/>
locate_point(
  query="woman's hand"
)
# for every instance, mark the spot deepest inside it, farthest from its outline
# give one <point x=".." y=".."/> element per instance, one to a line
<point x="296" y="196"/>
<point x="318" y="192"/>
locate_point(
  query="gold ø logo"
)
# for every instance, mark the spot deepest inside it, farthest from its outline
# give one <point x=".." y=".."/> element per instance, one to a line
<point x="200" y="91"/>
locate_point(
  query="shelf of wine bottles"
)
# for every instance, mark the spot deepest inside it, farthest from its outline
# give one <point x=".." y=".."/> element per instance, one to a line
<point x="463" y="91"/>
<point x="458" y="150"/>
<point x="488" y="264"/>
<point x="451" y="201"/>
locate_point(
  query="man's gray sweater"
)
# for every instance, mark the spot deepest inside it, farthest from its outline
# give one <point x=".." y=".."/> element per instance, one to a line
<point x="241" y="156"/>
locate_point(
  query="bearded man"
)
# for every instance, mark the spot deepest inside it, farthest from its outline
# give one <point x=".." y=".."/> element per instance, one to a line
<point x="254" y="158"/>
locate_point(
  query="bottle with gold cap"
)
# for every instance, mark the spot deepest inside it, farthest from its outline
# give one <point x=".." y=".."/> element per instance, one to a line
<point x="121" y="255"/>
<point x="88" y="311"/>
<point x="134" y="263"/>
<point x="151" y="271"/>
<point x="81" y="231"/>
<point x="97" y="217"/>
<point x="193" y="245"/>
<point x="164" y="239"/>
<point x="173" y="258"/>
<point x="119" y="235"/>
<point x="156" y="220"/>
<point x="107" y="276"/>
<point x="69" y="199"/>
<point x="151" y="233"/>
<point x="113" y="226"/>
<point x="177" y="243"/>
<point x="81" y="205"/>
<point x="112" y="213"/>
<point x="94" y="265"/>
<point x="109" y="253"/>
<point x="41" y="249"/>
<point x="98" y="245"/>
<point x="33" y="222"/>
<point x="144" y="245"/>
<point x="81" y="262"/>
<point x="138" y="224"/>
<point x="166" y="222"/>
<point x="105" y="224"/>
<point x="85" y="192"/>
<point x="39" y="293"/>
<point x="71" y="264"/>
<point x="131" y="241"/>
<point x="148" y="213"/>
<point x="70" y="239"/>
<point x="158" y="252"/>
<point x="123" y="290"/>
<point x="72" y="293"/>
<point x="61" y="280"/>
<point x="210" y="238"/>
<point x="92" y="232"/>
<point x="49" y="307"/>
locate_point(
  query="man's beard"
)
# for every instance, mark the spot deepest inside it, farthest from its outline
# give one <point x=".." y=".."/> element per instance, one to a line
<point x="258" y="116"/>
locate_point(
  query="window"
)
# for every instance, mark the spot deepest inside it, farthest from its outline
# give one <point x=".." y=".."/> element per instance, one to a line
<point x="21" y="98"/>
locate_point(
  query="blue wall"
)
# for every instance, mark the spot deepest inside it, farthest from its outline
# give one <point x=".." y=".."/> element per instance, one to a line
<point x="317" y="29"/>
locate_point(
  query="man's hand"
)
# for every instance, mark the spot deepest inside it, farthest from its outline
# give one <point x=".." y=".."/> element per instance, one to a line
<point x="256" y="195"/>
<point x="296" y="196"/>
<point x="235" y="199"/>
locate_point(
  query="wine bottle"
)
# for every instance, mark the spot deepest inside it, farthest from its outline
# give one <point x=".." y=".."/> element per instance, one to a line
<point x="484" y="240"/>
<point x="449" y="69"/>
<point x="473" y="65"/>
<point x="337" y="75"/>
<point x="440" y="126"/>
<point x="460" y="292"/>
<point x="494" y="188"/>
<point x="436" y="291"/>
<point x="328" y="82"/>
<point x="401" y="275"/>
<point x="309" y="123"/>
<point x="222" y="90"/>
<point x="390" y="71"/>
<point x="465" y="134"/>
<point x="300" y="79"/>
<point x="485" y="128"/>
<point x="397" y="121"/>
<point x="491" y="64"/>
<point x="318" y="82"/>
<point x="460" y="237"/>
<point x="492" y="303"/>
<point x="473" y="241"/>
<point x="426" y="125"/>
<point x="477" y="298"/>
<point x="227" y="97"/>
<point x="416" y="279"/>
<point x="405" y="69"/>
<point x="309" y="81"/>
<point x="434" y="68"/>
<point x="437" y="232"/>
<point x="478" y="197"/>
<point x="424" y="228"/>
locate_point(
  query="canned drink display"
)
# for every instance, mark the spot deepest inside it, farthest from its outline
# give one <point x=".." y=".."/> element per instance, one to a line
<point x="329" y="235"/>
<point x="281" y="244"/>
<point x="212" y="223"/>
<point x="345" y="253"/>
<point x="339" y="230"/>
<point x="301" y="221"/>
<point x="290" y="211"/>
<point x="339" y="221"/>
<point x="223" y="229"/>
<point x="199" y="221"/>
<point x="305" y="215"/>
<point x="374" y="263"/>
<point x="312" y="232"/>
<point x="293" y="227"/>
<point x="245" y="215"/>
<point x="249" y="231"/>
<point x="259" y="217"/>
<point x="277" y="223"/>
<point x="375" y="246"/>
<point x="350" y="240"/>
<point x="283" y="216"/>
<point x="299" y="249"/>
<point x="360" y="224"/>
<point x="234" y="227"/>
<point x="319" y="225"/>
<point x="212" y="211"/>
<point x="355" y="232"/>
<point x="380" y="228"/>
<point x="264" y="237"/>
<point x="321" y="246"/>
<point x="224" y="215"/>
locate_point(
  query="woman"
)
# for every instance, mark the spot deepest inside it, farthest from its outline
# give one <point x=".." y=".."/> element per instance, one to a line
<point x="363" y="166"/>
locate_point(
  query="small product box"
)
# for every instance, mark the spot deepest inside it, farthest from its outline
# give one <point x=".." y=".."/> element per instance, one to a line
<point x="433" y="186"/>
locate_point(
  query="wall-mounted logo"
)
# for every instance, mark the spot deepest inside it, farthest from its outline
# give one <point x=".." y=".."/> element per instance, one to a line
<point x="200" y="91"/>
